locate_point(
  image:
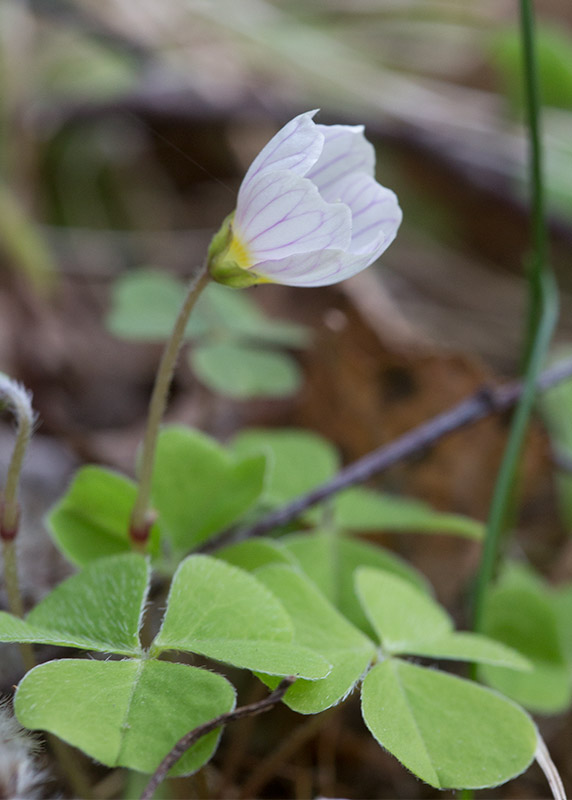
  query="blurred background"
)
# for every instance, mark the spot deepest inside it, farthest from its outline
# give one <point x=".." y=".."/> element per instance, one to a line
<point x="125" y="129"/>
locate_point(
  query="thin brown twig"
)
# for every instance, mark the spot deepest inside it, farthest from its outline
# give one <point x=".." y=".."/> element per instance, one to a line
<point x="486" y="401"/>
<point x="190" y="738"/>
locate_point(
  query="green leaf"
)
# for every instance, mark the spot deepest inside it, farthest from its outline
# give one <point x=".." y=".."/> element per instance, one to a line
<point x="462" y="646"/>
<point x="243" y="371"/>
<point x="99" y="609"/>
<point x="408" y="621"/>
<point x="554" y="55"/>
<point x="225" y="613"/>
<point x="92" y="519"/>
<point x="144" y="305"/>
<point x="255" y="553"/>
<point x="237" y="313"/>
<point x="125" y="713"/>
<point x="364" y="509"/>
<point x="299" y="460"/>
<point x="330" y="559"/>
<point x="449" y="732"/>
<point x="199" y="488"/>
<point x="400" y="614"/>
<point x="319" y="626"/>
<point x="521" y="612"/>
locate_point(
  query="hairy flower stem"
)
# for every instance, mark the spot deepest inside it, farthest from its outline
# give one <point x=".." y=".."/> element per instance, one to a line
<point x="12" y="586"/>
<point x="19" y="402"/>
<point x="142" y="518"/>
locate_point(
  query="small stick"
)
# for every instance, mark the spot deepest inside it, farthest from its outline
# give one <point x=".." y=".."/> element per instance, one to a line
<point x="485" y="402"/>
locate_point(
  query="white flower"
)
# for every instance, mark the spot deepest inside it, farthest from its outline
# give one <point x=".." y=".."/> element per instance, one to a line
<point x="309" y="210"/>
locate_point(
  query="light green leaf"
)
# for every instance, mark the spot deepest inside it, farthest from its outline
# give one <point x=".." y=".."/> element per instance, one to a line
<point x="125" y="713"/>
<point x="319" y="626"/>
<point x="92" y="519"/>
<point x="400" y="613"/>
<point x="365" y="509"/>
<point x="238" y="314"/>
<point x="99" y="609"/>
<point x="449" y="732"/>
<point x="462" y="646"/>
<point x="299" y="460"/>
<point x="199" y="488"/>
<point x="225" y="613"/>
<point x="408" y="621"/>
<point x="242" y="371"/>
<point x="521" y="612"/>
<point x="330" y="559"/>
<point x="254" y="553"/>
<point x="554" y="63"/>
<point x="145" y="304"/>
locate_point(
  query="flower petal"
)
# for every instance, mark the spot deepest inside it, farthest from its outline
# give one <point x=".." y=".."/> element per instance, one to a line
<point x="345" y="151"/>
<point x="281" y="214"/>
<point x="296" y="147"/>
<point x="375" y="229"/>
<point x="376" y="214"/>
<point x="319" y="268"/>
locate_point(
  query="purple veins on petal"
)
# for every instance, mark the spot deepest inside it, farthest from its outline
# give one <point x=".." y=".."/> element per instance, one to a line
<point x="296" y="147"/>
<point x="287" y="215"/>
<point x="345" y="152"/>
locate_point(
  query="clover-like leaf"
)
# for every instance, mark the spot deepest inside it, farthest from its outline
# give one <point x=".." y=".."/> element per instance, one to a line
<point x="410" y="622"/>
<point x="318" y="625"/>
<point x="92" y="519"/>
<point x="145" y="304"/>
<point x="329" y="558"/>
<point x="125" y="713"/>
<point x="299" y="460"/>
<point x="241" y="370"/>
<point x="523" y="613"/>
<point x="225" y="613"/>
<point x="255" y="553"/>
<point x="236" y="314"/>
<point x="100" y="609"/>
<point x="450" y="732"/>
<point x="199" y="488"/>
<point x="365" y="509"/>
<point x="465" y="646"/>
<point x="399" y="613"/>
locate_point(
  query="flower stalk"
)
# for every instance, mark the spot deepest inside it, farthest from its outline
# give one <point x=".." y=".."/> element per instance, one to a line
<point x="142" y="517"/>
<point x="19" y="402"/>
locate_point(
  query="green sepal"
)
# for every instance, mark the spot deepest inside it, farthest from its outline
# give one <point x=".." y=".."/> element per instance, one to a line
<point x="224" y="269"/>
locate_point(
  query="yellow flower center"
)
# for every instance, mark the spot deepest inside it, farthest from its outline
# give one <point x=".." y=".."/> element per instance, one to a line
<point x="239" y="253"/>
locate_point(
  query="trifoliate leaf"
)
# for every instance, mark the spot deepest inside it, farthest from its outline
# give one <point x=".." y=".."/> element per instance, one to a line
<point x="125" y="713"/>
